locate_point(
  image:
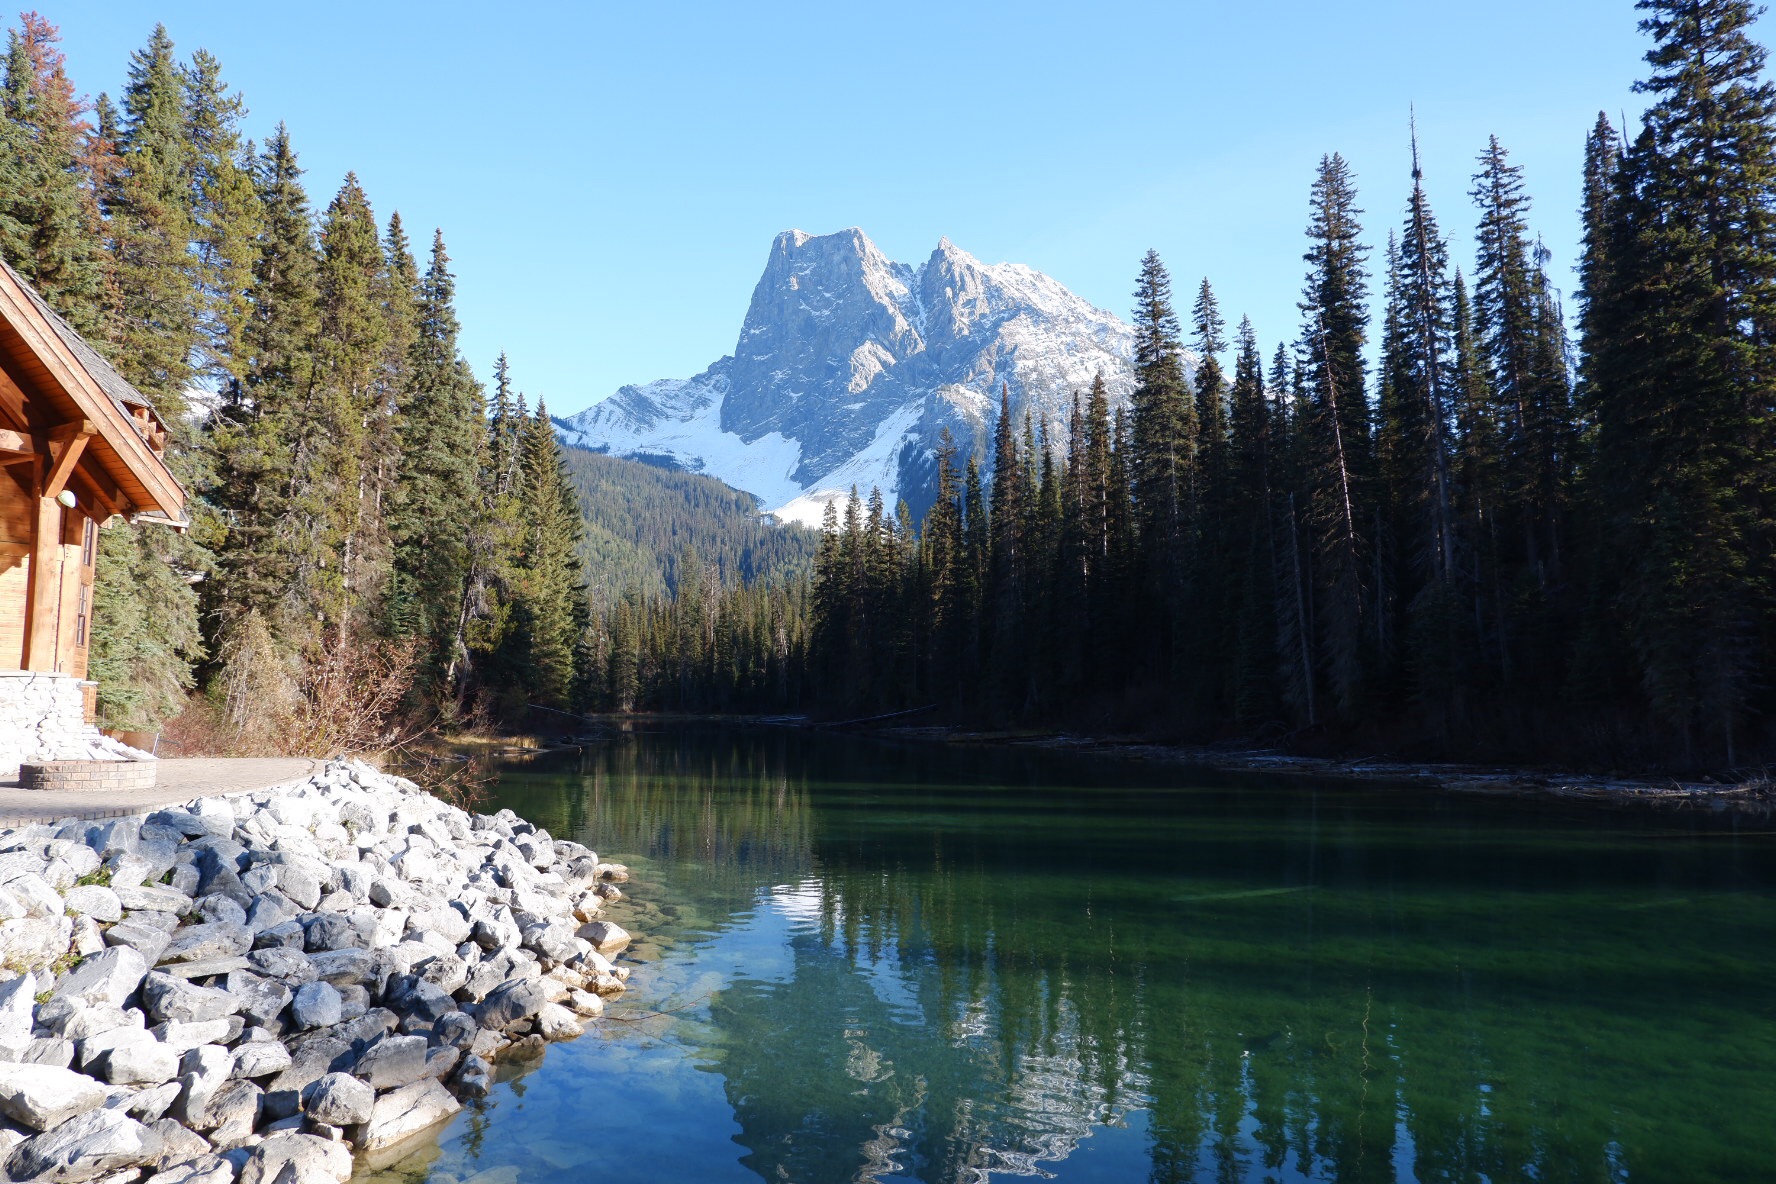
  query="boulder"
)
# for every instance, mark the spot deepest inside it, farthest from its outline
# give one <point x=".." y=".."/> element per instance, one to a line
<point x="17" y="1011"/>
<point x="316" y="1005"/>
<point x="555" y="1022"/>
<point x="111" y="976"/>
<point x="153" y="898"/>
<point x="347" y="967"/>
<point x="442" y="920"/>
<point x="88" y="1022"/>
<point x="87" y="938"/>
<point x="32" y="942"/>
<point x="204" y="967"/>
<point x="285" y="934"/>
<point x="606" y="936"/>
<point x="93" y="1047"/>
<point x="404" y="1112"/>
<point x="42" y="1096"/>
<point x="166" y="998"/>
<point x="95" y="901"/>
<point x="147" y="940"/>
<point x="260" y="1059"/>
<point x="211" y="939"/>
<point x="93" y="1144"/>
<point x="205" y="1169"/>
<point x="141" y="1062"/>
<point x="262" y="1000"/>
<point x="339" y="1099"/>
<point x="49" y="1050"/>
<point x="149" y="1104"/>
<point x="178" y="1143"/>
<point x="286" y="965"/>
<point x="514" y="1000"/>
<point x="474" y="1077"/>
<point x="392" y="1061"/>
<point x="202" y="1071"/>
<point x="230" y="1114"/>
<point x="330" y="931"/>
<point x="184" y="1035"/>
<point x="217" y="906"/>
<point x="309" y="1061"/>
<point x="290" y="1158"/>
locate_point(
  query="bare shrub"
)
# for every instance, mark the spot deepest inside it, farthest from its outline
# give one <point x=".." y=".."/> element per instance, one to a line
<point x="461" y="781"/>
<point x="351" y="702"/>
<point x="258" y="690"/>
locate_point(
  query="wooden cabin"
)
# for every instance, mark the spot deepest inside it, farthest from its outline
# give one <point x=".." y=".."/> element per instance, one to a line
<point x="78" y="446"/>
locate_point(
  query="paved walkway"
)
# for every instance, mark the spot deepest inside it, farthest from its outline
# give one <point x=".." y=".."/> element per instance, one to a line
<point x="177" y="781"/>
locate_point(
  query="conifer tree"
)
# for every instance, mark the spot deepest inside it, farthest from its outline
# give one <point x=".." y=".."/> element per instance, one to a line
<point x="257" y="421"/>
<point x="1336" y="431"/>
<point x="48" y="227"/>
<point x="1164" y="461"/>
<point x="227" y="217"/>
<point x="334" y="458"/>
<point x="435" y="502"/>
<point x="1678" y="353"/>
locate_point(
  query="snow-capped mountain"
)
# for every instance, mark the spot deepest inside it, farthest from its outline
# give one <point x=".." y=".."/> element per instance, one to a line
<point x="849" y="365"/>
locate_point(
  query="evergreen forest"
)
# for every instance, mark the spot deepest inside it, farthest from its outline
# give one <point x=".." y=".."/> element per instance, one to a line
<point x="370" y="535"/>
<point x="1505" y="539"/>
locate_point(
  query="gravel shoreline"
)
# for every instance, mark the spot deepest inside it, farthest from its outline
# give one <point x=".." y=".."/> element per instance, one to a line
<point x="252" y="988"/>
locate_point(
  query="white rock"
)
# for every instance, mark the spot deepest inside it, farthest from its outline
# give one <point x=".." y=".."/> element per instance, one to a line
<point x="290" y="1158"/>
<point x="110" y="976"/>
<point x="81" y="1148"/>
<point x="95" y="901"/>
<point x="404" y="1112"/>
<point x="141" y="1063"/>
<point x="40" y="1096"/>
<point x="555" y="1022"/>
<point x="605" y="936"/>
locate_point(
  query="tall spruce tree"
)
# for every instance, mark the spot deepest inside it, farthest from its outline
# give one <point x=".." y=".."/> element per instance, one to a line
<point x="48" y="226"/>
<point x="435" y="501"/>
<point x="1678" y="367"/>
<point x="1335" y="432"/>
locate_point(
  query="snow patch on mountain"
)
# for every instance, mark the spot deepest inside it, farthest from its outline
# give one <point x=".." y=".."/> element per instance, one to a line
<point x="850" y="367"/>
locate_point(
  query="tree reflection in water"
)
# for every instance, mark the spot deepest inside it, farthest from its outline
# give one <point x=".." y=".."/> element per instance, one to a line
<point x="1013" y="962"/>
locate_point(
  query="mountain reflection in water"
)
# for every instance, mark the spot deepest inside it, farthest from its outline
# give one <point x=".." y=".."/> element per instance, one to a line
<point x="884" y="962"/>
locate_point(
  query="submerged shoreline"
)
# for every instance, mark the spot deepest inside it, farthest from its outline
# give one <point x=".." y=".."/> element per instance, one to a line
<point x="1751" y="795"/>
<point x="254" y="987"/>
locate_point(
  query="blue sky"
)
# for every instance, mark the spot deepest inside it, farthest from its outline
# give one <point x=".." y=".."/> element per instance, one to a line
<point x="609" y="178"/>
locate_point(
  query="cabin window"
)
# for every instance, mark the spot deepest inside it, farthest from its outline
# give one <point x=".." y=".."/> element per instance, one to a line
<point x="86" y="544"/>
<point x="80" y="618"/>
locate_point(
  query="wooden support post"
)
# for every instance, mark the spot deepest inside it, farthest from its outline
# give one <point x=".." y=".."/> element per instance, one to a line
<point x="43" y="609"/>
<point x="44" y="602"/>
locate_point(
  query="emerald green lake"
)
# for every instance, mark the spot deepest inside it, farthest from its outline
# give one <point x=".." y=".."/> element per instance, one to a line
<point x="866" y="961"/>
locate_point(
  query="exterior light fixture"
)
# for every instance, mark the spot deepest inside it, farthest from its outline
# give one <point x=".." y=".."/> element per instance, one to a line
<point x="66" y="497"/>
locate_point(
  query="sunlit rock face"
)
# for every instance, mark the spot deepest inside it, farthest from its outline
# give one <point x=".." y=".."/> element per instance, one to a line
<point x="850" y="365"/>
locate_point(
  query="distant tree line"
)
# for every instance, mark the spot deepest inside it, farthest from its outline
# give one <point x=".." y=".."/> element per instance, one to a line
<point x="358" y="516"/>
<point x="1496" y="542"/>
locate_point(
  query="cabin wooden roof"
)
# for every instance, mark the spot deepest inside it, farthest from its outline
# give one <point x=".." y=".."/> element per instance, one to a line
<point x="52" y="377"/>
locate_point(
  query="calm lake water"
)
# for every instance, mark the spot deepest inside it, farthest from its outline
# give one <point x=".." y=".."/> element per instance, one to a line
<point x="883" y="962"/>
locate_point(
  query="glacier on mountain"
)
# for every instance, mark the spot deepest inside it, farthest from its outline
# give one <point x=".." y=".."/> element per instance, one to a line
<point x="849" y="366"/>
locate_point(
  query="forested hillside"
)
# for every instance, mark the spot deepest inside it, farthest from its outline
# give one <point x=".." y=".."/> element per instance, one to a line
<point x="641" y="521"/>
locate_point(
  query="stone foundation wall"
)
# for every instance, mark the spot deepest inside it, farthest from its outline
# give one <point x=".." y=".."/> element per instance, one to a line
<point x="42" y="718"/>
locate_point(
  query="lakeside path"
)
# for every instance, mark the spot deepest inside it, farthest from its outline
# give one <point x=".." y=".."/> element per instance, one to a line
<point x="177" y="781"/>
<point x="1752" y="794"/>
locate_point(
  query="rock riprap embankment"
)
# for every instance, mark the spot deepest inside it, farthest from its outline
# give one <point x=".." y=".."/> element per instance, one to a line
<point x="247" y="988"/>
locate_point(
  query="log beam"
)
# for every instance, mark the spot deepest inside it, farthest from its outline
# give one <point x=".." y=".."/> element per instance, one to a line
<point x="43" y="605"/>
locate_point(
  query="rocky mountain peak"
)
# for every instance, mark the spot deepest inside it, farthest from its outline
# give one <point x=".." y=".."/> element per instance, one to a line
<point x="849" y="366"/>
